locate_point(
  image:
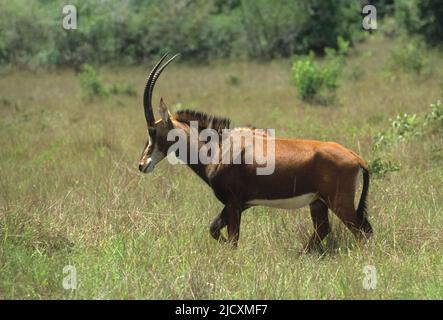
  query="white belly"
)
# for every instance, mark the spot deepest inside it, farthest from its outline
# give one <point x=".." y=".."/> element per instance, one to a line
<point x="288" y="203"/>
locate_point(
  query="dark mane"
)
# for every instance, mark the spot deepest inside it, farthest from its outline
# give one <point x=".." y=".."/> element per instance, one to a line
<point x="205" y="121"/>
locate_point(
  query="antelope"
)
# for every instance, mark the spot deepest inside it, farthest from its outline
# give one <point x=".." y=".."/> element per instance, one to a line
<point x="320" y="174"/>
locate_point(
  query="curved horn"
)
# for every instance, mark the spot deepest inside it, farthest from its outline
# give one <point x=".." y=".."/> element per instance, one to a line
<point x="155" y="77"/>
<point x="149" y="114"/>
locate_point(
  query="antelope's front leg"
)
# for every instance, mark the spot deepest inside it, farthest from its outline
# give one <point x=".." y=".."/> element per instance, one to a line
<point x="233" y="215"/>
<point x="217" y="224"/>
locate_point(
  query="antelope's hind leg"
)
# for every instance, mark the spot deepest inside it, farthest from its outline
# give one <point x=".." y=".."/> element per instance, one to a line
<point x="358" y="225"/>
<point x="341" y="202"/>
<point x="319" y="215"/>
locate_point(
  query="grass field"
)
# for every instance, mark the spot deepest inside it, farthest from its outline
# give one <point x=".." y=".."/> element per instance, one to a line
<point x="71" y="193"/>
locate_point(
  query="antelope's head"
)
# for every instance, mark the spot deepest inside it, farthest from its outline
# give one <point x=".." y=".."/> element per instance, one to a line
<point x="157" y="144"/>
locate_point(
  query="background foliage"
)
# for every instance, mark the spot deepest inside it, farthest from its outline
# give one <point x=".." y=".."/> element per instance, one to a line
<point x="115" y="31"/>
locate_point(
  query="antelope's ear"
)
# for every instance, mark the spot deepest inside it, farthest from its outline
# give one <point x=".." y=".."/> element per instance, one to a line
<point x="165" y="114"/>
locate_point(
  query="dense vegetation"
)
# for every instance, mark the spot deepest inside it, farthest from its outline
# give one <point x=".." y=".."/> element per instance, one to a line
<point x="113" y="31"/>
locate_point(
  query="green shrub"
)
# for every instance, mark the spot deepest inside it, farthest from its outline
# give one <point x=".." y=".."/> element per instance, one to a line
<point x="311" y="78"/>
<point x="406" y="125"/>
<point x="343" y="46"/>
<point x="330" y="73"/>
<point x="93" y="87"/>
<point x="384" y="7"/>
<point x="437" y="155"/>
<point x="380" y="168"/>
<point x="435" y="118"/>
<point x="436" y="112"/>
<point x="307" y="77"/>
<point x="233" y="80"/>
<point x="402" y="127"/>
<point x="422" y="17"/>
<point x="123" y="88"/>
<point x="409" y="58"/>
<point x="20" y="44"/>
<point x="406" y="15"/>
<point x="430" y="13"/>
<point x="273" y="28"/>
<point x="328" y="19"/>
<point x="91" y="84"/>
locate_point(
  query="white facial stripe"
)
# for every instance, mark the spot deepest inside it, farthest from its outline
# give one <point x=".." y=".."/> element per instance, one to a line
<point x="150" y="140"/>
<point x="155" y="157"/>
<point x="288" y="203"/>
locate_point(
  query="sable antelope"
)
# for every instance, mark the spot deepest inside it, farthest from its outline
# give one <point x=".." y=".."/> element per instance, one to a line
<point x="322" y="175"/>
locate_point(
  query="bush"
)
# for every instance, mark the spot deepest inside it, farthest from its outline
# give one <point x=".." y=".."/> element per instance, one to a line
<point x="91" y="84"/>
<point x="409" y="59"/>
<point x="307" y="77"/>
<point x="310" y="77"/>
<point x="20" y="44"/>
<point x="233" y="80"/>
<point x="435" y="117"/>
<point x="430" y="13"/>
<point x="273" y="28"/>
<point x="343" y="46"/>
<point x="402" y="127"/>
<point x="333" y="66"/>
<point x="123" y="88"/>
<point x="384" y="7"/>
<point x="93" y="87"/>
<point x="436" y="112"/>
<point x="423" y="17"/>
<point x="328" y="19"/>
<point x="406" y="15"/>
<point x="380" y="168"/>
<point x="405" y="126"/>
